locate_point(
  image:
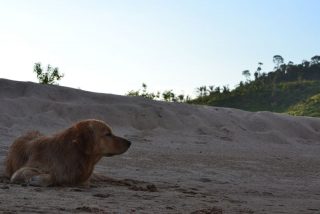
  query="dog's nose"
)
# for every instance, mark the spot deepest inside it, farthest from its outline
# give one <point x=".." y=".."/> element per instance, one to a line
<point x="129" y="143"/>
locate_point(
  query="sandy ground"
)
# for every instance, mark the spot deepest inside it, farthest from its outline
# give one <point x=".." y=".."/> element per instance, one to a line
<point x="184" y="158"/>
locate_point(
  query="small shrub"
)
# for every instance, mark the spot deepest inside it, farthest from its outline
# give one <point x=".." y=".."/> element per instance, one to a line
<point x="50" y="76"/>
<point x="144" y="93"/>
<point x="167" y="95"/>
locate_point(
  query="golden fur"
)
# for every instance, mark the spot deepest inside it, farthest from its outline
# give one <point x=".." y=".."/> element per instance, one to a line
<point x="67" y="158"/>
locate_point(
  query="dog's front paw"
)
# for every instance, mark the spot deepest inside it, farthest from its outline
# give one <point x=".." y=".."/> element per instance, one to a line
<point x="35" y="181"/>
<point x="40" y="181"/>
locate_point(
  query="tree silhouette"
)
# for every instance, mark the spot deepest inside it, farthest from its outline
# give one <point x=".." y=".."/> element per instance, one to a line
<point x="305" y="63"/>
<point x="217" y="90"/>
<point x="225" y="89"/>
<point x="278" y="60"/>
<point x="259" y="68"/>
<point x="315" y="60"/>
<point x="181" y="98"/>
<point x="211" y="89"/>
<point x="169" y="96"/>
<point x="290" y="63"/>
<point x="202" y="91"/>
<point x="246" y="74"/>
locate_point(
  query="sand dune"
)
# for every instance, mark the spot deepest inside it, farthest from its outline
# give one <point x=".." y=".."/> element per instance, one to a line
<point x="184" y="158"/>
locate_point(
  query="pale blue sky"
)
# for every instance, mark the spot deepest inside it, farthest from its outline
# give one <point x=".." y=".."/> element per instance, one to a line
<point x="114" y="46"/>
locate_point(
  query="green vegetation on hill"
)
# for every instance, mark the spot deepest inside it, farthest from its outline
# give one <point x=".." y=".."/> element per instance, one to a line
<point x="277" y="98"/>
<point x="290" y="88"/>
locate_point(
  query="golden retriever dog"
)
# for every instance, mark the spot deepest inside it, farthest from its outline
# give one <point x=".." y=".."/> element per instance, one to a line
<point x="66" y="158"/>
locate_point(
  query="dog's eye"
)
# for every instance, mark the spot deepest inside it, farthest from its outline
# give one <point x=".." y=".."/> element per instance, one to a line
<point x="108" y="134"/>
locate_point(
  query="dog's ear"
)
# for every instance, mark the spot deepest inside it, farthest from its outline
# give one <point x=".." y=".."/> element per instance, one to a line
<point x="85" y="137"/>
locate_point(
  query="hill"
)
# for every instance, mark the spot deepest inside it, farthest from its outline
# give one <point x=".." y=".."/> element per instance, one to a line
<point x="289" y="85"/>
<point x="184" y="158"/>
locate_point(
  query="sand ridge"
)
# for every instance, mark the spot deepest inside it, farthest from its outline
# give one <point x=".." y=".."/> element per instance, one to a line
<point x="184" y="158"/>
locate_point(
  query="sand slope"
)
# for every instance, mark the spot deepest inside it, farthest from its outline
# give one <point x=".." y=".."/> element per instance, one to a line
<point x="184" y="158"/>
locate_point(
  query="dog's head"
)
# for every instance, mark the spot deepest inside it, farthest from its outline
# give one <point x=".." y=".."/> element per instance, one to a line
<point x="95" y="137"/>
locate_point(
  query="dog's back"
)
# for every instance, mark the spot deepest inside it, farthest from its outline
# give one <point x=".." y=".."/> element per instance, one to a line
<point x="18" y="152"/>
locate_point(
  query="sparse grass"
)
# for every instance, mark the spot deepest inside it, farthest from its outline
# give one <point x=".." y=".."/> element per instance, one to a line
<point x="309" y="107"/>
